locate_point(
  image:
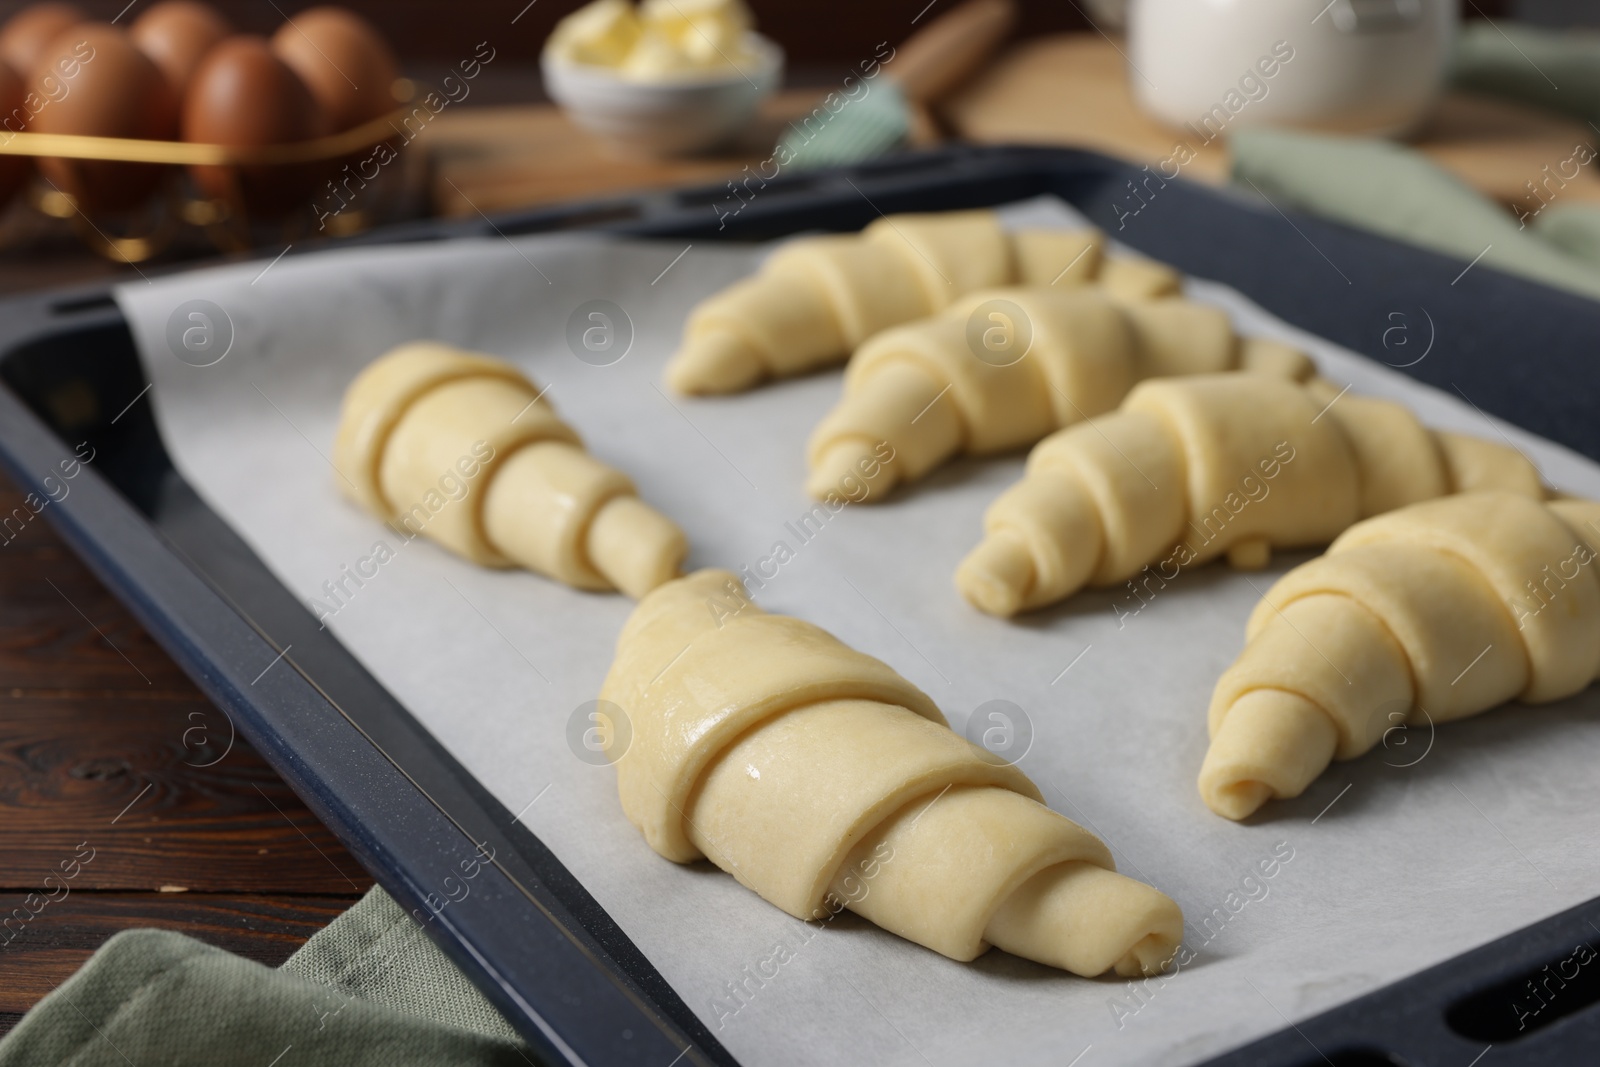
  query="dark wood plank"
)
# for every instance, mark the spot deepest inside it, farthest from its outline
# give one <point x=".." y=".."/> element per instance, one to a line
<point x="43" y="952"/>
<point x="59" y="625"/>
<point x="105" y="743"/>
<point x="149" y="784"/>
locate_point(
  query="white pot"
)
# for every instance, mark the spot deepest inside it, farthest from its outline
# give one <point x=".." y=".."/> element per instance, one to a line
<point x="1353" y="66"/>
<point x="669" y="116"/>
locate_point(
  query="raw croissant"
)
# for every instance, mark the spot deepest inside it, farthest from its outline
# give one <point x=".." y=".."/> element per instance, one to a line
<point x="815" y="774"/>
<point x="816" y="299"/>
<point x="1191" y="468"/>
<point x="1437" y="611"/>
<point x="463" y="448"/>
<point x="924" y="390"/>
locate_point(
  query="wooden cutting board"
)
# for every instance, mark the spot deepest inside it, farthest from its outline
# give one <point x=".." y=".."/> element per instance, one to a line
<point x="1070" y="89"/>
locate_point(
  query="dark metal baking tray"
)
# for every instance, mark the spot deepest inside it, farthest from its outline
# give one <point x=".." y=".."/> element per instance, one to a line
<point x="523" y="928"/>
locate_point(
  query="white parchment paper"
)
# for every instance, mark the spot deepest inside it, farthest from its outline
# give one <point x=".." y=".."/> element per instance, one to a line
<point x="1390" y="868"/>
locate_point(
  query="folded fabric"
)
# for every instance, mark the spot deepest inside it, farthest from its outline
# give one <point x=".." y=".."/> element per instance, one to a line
<point x="1558" y="70"/>
<point x="1395" y="191"/>
<point x="370" y="990"/>
<point x="1574" y="228"/>
<point x="376" y="952"/>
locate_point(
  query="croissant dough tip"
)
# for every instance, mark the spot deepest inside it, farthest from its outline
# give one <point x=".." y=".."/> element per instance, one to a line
<point x="1271" y="743"/>
<point x="995" y="576"/>
<point x="1090" y="920"/>
<point x="714" y="362"/>
<point x="1234" y="797"/>
<point x="849" y="463"/>
<point x="634" y="546"/>
<point x="1153" y="953"/>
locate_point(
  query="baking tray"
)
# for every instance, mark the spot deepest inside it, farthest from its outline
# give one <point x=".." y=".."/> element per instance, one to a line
<point x="524" y="929"/>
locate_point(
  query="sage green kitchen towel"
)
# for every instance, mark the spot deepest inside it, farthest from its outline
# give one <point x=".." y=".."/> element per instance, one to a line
<point x="376" y="952"/>
<point x="1396" y="191"/>
<point x="1574" y="228"/>
<point x="370" y="990"/>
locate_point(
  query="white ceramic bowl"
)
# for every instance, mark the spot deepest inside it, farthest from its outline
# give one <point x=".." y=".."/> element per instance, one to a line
<point x="668" y="116"/>
<point x="1359" y="66"/>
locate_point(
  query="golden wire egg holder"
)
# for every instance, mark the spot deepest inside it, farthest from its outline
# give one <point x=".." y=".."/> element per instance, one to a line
<point x="224" y="219"/>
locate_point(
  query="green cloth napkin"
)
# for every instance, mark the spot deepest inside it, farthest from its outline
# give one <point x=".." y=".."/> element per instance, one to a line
<point x="376" y="952"/>
<point x="1397" y="192"/>
<point x="370" y="990"/>
<point x="1574" y="228"/>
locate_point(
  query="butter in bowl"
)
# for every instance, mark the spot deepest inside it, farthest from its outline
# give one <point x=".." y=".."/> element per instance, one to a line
<point x="666" y="78"/>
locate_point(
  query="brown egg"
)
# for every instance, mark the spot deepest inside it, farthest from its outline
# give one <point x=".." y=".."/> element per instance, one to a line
<point x="92" y="80"/>
<point x="244" y="95"/>
<point x="177" y="34"/>
<point x="26" y="34"/>
<point x="13" y="118"/>
<point x="343" y="60"/>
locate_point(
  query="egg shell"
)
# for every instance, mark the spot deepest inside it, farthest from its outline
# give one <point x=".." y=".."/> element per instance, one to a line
<point x="92" y="80"/>
<point x="177" y="34"/>
<point x="29" y="32"/>
<point x="244" y="95"/>
<point x="14" y="170"/>
<point x="343" y="60"/>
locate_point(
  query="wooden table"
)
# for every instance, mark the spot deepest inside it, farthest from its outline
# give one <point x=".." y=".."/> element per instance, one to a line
<point x="498" y="158"/>
<point x="113" y="763"/>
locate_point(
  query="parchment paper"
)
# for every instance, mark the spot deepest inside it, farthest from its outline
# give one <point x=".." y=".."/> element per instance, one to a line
<point x="1390" y="868"/>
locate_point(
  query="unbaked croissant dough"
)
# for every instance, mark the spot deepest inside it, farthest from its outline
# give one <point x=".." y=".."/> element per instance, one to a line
<point x="921" y="389"/>
<point x="1189" y="469"/>
<point x="817" y="298"/>
<point x="815" y="774"/>
<point x="463" y="448"/>
<point x="1437" y="611"/>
